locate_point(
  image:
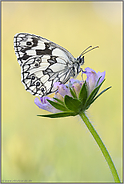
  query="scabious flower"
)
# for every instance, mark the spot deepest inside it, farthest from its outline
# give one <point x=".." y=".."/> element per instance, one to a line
<point x="75" y="97"/>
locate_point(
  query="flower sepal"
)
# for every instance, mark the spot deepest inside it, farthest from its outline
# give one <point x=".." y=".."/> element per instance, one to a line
<point x="98" y="96"/>
<point x="59" y="115"/>
<point x="72" y="104"/>
<point x="58" y="105"/>
<point x="83" y="94"/>
<point x="92" y="97"/>
<point x="73" y="93"/>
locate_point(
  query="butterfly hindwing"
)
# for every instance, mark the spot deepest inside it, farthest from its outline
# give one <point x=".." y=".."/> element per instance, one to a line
<point x="39" y="74"/>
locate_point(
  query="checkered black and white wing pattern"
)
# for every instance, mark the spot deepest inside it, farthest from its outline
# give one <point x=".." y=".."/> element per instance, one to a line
<point x="42" y="63"/>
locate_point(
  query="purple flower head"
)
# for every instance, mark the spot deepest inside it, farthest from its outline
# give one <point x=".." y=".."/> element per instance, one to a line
<point x="92" y="79"/>
<point x="73" y="98"/>
<point x="45" y="105"/>
<point x="62" y="90"/>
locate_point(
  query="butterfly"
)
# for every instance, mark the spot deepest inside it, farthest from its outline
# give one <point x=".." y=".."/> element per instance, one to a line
<point x="43" y="63"/>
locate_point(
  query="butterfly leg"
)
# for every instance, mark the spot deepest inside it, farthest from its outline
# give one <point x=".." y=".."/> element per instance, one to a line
<point x="82" y="71"/>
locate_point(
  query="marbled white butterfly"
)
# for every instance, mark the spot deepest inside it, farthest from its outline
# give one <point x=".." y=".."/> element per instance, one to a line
<point x="43" y="63"/>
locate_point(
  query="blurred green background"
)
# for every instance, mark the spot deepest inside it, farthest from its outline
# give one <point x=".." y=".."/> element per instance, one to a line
<point x="62" y="150"/>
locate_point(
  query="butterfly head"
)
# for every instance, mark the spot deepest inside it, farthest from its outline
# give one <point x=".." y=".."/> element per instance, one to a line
<point x="80" y="59"/>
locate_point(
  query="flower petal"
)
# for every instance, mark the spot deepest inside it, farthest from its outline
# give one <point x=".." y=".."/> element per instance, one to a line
<point x="102" y="75"/>
<point x="77" y="87"/>
<point x="92" y="79"/>
<point x="45" y="105"/>
<point x="62" y="89"/>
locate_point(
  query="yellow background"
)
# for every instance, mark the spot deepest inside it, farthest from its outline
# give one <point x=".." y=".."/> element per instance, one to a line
<point x="62" y="150"/>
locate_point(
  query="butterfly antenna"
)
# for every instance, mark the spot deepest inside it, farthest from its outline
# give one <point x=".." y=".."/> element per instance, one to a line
<point x="86" y="50"/>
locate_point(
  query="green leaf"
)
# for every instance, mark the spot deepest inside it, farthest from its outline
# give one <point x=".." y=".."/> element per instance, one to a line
<point x="57" y="105"/>
<point x="83" y="94"/>
<point x="100" y="94"/>
<point x="93" y="94"/>
<point x="72" y="104"/>
<point x="59" y="115"/>
<point x="58" y="100"/>
<point x="73" y="93"/>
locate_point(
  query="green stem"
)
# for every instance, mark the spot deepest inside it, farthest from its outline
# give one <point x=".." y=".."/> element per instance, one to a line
<point x="101" y="146"/>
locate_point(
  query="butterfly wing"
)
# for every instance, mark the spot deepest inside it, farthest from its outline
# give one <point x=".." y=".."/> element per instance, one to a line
<point x="42" y="63"/>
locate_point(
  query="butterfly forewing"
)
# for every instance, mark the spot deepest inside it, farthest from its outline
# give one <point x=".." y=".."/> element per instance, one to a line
<point x="42" y="63"/>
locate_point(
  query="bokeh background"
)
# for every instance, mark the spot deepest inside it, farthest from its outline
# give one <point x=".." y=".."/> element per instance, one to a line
<point x="38" y="149"/>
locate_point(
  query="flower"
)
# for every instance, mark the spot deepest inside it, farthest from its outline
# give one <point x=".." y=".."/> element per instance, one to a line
<point x="75" y="97"/>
